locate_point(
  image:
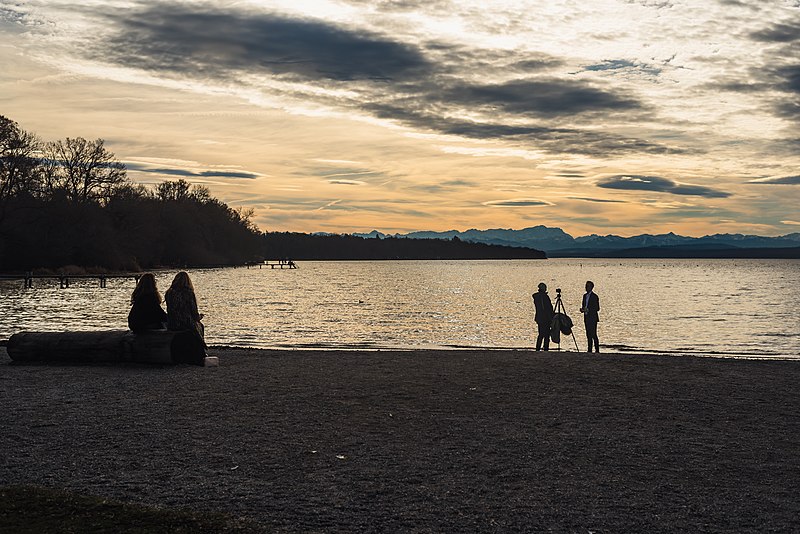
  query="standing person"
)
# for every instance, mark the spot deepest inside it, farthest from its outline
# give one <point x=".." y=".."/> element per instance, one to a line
<point x="146" y="312"/>
<point x="590" y="309"/>
<point x="182" y="311"/>
<point x="543" y="317"/>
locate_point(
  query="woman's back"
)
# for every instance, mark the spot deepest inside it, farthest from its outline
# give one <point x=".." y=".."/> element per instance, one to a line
<point x="182" y="311"/>
<point x="146" y="312"/>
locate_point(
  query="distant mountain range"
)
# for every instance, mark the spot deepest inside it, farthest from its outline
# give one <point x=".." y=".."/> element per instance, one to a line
<point x="557" y="243"/>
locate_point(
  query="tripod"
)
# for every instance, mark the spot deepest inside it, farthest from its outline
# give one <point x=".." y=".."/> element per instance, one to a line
<point x="559" y="308"/>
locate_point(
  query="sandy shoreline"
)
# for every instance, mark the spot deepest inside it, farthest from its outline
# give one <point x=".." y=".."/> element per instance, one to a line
<point x="422" y="441"/>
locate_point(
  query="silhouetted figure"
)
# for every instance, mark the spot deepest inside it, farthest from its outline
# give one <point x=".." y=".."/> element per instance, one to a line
<point x="182" y="313"/>
<point x="590" y="308"/>
<point x="146" y="313"/>
<point x="543" y="317"/>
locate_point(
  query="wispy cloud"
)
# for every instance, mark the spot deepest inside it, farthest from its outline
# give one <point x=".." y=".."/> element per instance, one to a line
<point x="192" y="173"/>
<point x="782" y="180"/>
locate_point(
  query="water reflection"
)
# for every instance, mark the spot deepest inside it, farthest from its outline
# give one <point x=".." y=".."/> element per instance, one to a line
<point x="730" y="306"/>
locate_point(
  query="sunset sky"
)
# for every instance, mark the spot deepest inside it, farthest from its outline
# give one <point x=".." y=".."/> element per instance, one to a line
<point x="606" y="116"/>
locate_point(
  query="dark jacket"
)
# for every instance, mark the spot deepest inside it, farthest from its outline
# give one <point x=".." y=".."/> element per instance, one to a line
<point x="146" y="314"/>
<point x="544" y="308"/>
<point x="590" y="311"/>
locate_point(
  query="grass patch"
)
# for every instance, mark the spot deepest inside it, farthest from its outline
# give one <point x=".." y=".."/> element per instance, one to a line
<point x="29" y="509"/>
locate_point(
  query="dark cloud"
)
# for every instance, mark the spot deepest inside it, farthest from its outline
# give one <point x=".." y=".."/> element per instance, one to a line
<point x="536" y="97"/>
<point x="422" y="86"/>
<point x="551" y="139"/>
<point x="738" y="86"/>
<point x="450" y="58"/>
<point x="535" y="64"/>
<point x="777" y="79"/>
<point x="778" y="33"/>
<point x="783" y="180"/>
<point x="521" y="203"/>
<point x="181" y="39"/>
<point x="228" y="174"/>
<point x="193" y="174"/>
<point x="658" y="184"/>
<point x="786" y="79"/>
<point x="790" y="76"/>
<point x="601" y="200"/>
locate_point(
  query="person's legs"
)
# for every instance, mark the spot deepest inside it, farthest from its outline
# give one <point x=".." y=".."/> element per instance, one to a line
<point x="591" y="336"/>
<point x="591" y="333"/>
<point x="544" y="336"/>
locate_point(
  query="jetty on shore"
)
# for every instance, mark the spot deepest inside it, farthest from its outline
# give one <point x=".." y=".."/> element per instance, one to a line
<point x="64" y="280"/>
<point x="280" y="264"/>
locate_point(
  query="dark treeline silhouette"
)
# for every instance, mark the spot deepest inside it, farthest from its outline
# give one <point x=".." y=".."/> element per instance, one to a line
<point x="69" y="202"/>
<point x="347" y="247"/>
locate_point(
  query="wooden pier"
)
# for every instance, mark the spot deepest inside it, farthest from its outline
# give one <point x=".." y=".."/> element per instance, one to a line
<point x="64" y="279"/>
<point x="280" y="264"/>
<point x="102" y="279"/>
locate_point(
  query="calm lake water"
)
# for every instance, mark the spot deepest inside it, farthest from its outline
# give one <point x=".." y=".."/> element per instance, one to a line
<point x="734" y="307"/>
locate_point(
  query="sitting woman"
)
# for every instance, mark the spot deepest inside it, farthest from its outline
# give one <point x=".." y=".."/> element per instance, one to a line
<point x="146" y="313"/>
<point x="182" y="314"/>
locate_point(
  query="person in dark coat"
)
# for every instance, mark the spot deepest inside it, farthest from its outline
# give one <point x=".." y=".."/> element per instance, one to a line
<point x="146" y="313"/>
<point x="182" y="313"/>
<point x="589" y="308"/>
<point x="543" y="317"/>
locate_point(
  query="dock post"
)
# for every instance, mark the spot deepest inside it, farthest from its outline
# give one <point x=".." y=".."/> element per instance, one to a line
<point x="102" y="281"/>
<point x="63" y="282"/>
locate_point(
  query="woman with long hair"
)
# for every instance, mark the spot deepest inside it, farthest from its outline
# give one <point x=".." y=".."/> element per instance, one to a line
<point x="182" y="313"/>
<point x="146" y="313"/>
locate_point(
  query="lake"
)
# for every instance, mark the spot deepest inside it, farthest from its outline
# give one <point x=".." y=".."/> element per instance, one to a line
<point x="716" y="307"/>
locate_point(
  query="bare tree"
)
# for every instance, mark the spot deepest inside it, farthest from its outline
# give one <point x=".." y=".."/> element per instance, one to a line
<point x="182" y="190"/>
<point x="174" y="190"/>
<point x="83" y="169"/>
<point x="18" y="161"/>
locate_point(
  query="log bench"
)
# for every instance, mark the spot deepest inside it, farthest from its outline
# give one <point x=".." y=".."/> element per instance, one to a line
<point x="157" y="346"/>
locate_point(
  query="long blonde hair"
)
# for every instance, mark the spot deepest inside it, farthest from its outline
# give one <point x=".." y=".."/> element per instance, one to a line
<point x="145" y="286"/>
<point x="182" y="282"/>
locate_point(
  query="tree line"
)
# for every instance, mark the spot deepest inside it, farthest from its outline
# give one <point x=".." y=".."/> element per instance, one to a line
<point x="70" y="202"/>
<point x="297" y="246"/>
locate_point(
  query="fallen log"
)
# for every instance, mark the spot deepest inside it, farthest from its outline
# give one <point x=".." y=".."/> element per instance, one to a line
<point x="158" y="346"/>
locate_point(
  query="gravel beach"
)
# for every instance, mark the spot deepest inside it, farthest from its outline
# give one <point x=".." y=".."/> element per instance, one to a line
<point x="421" y="441"/>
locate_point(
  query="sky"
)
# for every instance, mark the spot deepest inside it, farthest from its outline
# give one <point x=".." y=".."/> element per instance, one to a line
<point x="604" y="117"/>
